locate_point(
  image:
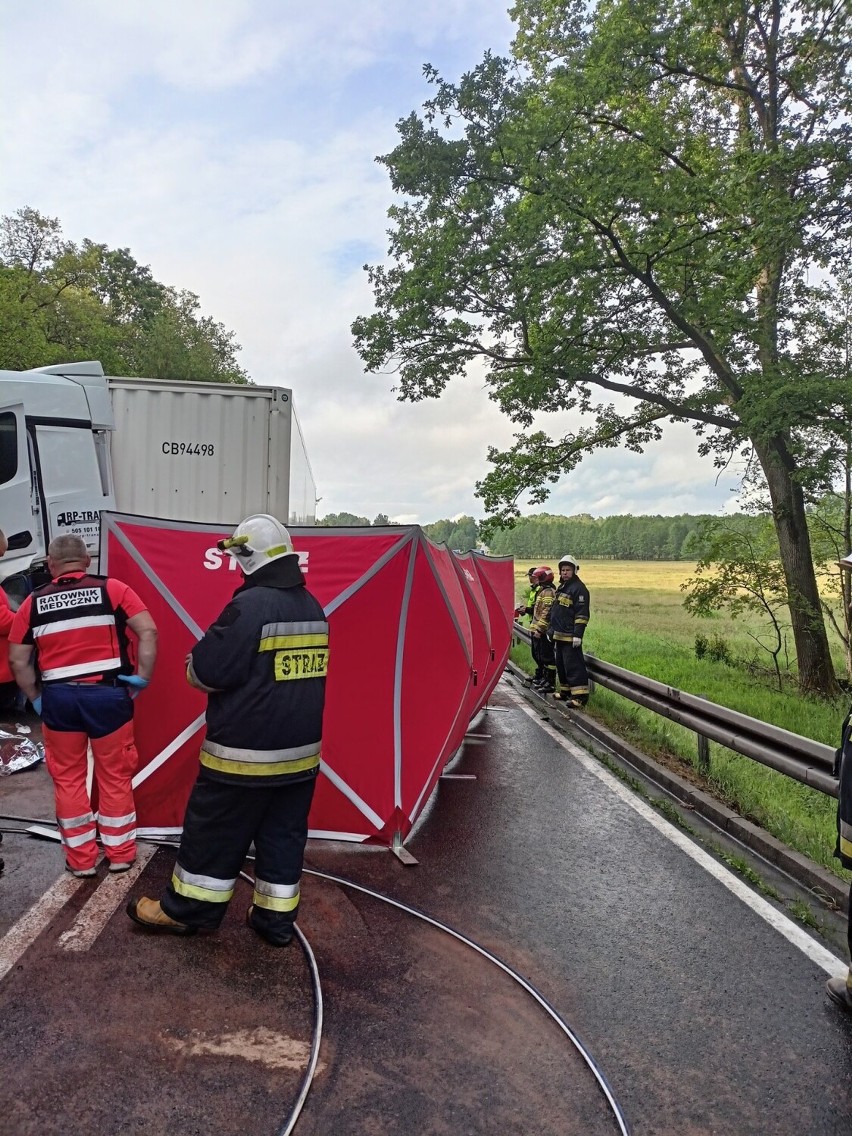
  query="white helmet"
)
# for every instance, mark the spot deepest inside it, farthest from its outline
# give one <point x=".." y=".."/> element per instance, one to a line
<point x="258" y="540"/>
<point x="569" y="560"/>
<point x="846" y="562"/>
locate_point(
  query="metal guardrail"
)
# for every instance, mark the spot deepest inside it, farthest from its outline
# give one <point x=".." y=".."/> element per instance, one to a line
<point x="803" y="759"/>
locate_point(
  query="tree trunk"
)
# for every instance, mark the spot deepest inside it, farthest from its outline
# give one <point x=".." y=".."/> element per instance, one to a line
<point x="816" y="670"/>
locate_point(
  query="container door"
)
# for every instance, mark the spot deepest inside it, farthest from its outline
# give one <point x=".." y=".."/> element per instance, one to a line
<point x="73" y="482"/>
<point x="16" y="484"/>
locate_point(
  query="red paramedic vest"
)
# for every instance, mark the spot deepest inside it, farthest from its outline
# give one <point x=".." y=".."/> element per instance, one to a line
<point x="76" y="631"/>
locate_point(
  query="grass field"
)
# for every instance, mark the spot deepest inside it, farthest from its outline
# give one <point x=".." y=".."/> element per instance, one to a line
<point x="638" y="622"/>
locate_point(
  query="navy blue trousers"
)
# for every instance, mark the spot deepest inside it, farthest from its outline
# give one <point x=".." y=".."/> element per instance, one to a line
<point x="220" y="824"/>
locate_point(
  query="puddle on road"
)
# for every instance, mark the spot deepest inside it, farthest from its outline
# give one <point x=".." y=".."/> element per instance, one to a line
<point x="261" y="1045"/>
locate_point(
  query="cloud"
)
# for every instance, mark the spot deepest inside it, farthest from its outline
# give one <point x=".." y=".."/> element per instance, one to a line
<point x="231" y="147"/>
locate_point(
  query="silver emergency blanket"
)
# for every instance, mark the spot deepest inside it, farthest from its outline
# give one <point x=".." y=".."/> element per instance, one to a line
<point x="18" y="752"/>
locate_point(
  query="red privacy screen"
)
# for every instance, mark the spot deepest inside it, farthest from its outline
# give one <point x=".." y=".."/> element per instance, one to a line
<point x="418" y="639"/>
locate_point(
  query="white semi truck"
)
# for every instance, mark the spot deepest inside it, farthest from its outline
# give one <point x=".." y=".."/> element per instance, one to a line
<point x="74" y="441"/>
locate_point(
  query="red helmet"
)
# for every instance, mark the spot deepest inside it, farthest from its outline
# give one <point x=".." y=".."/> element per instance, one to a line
<point x="543" y="575"/>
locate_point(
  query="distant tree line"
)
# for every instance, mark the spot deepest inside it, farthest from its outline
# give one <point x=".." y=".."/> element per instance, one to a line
<point x="546" y="536"/>
<point x="62" y="303"/>
<point x="601" y="538"/>
<point x="462" y="533"/>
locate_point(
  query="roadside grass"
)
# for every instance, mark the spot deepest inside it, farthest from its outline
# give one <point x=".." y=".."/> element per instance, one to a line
<point x="638" y="622"/>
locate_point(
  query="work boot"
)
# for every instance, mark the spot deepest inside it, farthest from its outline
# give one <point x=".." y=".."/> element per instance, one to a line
<point x="277" y="938"/>
<point x="839" y="990"/>
<point x="81" y="873"/>
<point x="148" y="913"/>
<point x="122" y="866"/>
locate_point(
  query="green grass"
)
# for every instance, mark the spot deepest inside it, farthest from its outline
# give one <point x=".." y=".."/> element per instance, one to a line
<point x="638" y="622"/>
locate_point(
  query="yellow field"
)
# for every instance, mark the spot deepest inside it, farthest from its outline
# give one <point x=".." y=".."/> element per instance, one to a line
<point x="656" y="575"/>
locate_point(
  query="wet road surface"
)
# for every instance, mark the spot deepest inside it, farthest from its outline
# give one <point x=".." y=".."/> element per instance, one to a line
<point x="702" y="1016"/>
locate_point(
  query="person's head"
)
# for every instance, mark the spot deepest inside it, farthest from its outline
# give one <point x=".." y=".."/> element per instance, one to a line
<point x="4" y="544"/>
<point x="530" y="573"/>
<point x="568" y="568"/>
<point x="257" y="541"/>
<point x="846" y="562"/>
<point x="67" y="553"/>
<point x="542" y="575"/>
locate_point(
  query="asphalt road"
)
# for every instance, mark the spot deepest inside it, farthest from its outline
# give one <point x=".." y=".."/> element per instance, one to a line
<point x="704" y="1017"/>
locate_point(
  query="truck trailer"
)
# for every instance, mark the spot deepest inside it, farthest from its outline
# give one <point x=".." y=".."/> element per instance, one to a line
<point x="74" y="442"/>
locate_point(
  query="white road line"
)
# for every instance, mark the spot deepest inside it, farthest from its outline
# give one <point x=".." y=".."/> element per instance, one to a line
<point x="791" y="931"/>
<point x="23" y="934"/>
<point x="96" y="912"/>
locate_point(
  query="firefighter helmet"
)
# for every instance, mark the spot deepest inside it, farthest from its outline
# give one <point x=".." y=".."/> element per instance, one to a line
<point x="543" y="575"/>
<point x="846" y="562"/>
<point x="258" y="540"/>
<point x="569" y="560"/>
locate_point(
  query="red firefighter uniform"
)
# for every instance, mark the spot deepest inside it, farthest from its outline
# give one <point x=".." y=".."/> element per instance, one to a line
<point x="76" y="624"/>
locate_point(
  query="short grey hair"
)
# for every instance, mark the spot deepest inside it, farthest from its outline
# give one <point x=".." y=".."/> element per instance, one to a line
<point x="67" y="549"/>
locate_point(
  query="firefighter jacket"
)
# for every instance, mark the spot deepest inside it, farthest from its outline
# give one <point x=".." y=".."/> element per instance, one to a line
<point x="264" y="663"/>
<point x="77" y="624"/>
<point x="541" y="611"/>
<point x="569" y="612"/>
<point x="843" y="769"/>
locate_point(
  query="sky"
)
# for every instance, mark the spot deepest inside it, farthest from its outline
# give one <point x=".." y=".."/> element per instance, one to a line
<point x="230" y="145"/>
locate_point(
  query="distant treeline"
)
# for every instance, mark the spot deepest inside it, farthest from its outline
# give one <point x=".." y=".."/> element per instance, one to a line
<point x="588" y="538"/>
<point x="603" y="538"/>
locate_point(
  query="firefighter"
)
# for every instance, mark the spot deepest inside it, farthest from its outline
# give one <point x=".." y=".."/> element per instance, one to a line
<point x="528" y="603"/>
<point x="839" y="989"/>
<point x="75" y="630"/>
<point x="569" y="617"/>
<point x="542" y="647"/>
<point x="263" y="664"/>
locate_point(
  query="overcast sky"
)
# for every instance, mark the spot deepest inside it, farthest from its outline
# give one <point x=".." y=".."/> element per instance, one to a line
<point x="230" y="145"/>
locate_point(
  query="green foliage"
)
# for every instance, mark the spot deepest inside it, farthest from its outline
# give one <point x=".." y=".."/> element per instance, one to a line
<point x="741" y="571"/>
<point x="462" y="533"/>
<point x="648" y="538"/>
<point x="623" y="222"/>
<point x="344" y="520"/>
<point x="60" y="302"/>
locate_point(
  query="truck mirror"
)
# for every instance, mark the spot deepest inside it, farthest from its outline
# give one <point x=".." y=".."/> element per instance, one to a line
<point x="20" y="540"/>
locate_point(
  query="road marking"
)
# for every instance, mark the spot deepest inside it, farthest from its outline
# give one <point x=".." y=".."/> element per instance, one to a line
<point x="97" y="911"/>
<point x="24" y="933"/>
<point x="791" y="931"/>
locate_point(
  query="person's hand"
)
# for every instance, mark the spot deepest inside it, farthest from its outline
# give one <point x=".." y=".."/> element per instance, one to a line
<point x="536" y="634"/>
<point x="36" y="704"/>
<point x="136" y="682"/>
<point x="576" y="641"/>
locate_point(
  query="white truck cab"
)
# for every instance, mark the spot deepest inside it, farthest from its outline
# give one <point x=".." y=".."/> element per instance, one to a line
<point x="74" y="442"/>
<point x="55" y="474"/>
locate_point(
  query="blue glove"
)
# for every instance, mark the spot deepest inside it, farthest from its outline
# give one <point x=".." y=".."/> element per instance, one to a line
<point x="136" y="682"/>
<point x="36" y="704"/>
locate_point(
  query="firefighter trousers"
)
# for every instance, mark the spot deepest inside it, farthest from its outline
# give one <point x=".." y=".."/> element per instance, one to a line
<point x="541" y="649"/>
<point x="571" y="668"/>
<point x="73" y="716"/>
<point x="220" y="824"/>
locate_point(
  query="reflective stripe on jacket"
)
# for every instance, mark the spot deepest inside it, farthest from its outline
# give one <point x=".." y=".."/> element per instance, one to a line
<point x="541" y="611"/>
<point x="569" y="612"/>
<point x="264" y="661"/>
<point x="76" y="631"/>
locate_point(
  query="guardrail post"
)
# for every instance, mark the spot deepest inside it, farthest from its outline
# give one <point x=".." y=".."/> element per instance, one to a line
<point x="703" y="752"/>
